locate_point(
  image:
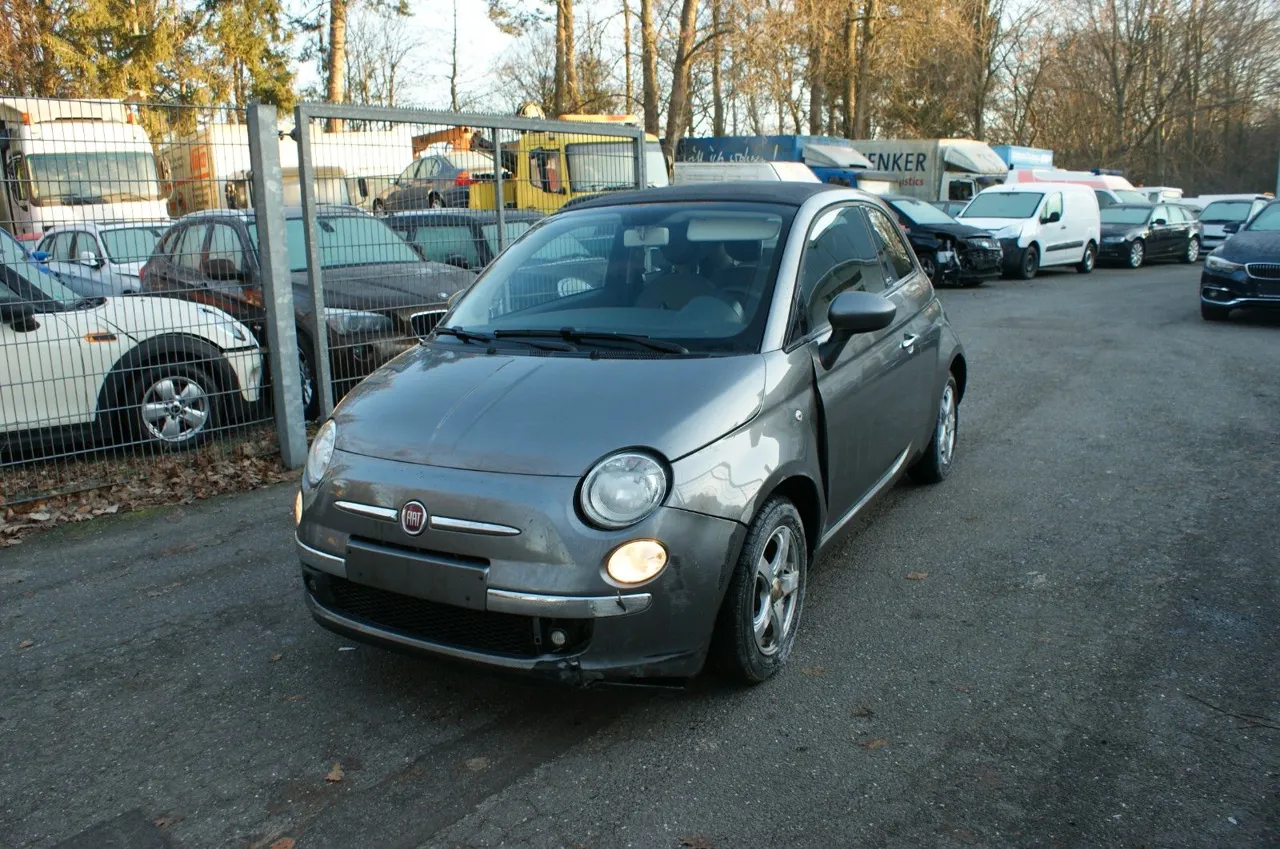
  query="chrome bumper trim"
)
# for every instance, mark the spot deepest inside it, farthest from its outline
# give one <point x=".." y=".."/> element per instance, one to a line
<point x="1268" y="302"/>
<point x="388" y="514"/>
<point x="567" y="606"/>
<point x="317" y="559"/>
<point x="467" y="526"/>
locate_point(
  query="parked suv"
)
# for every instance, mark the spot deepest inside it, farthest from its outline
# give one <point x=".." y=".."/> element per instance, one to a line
<point x="379" y="294"/>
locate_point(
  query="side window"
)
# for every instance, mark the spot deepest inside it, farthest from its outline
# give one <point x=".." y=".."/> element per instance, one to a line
<point x="224" y="243"/>
<point x="1179" y="215"/>
<point x="544" y="170"/>
<point x="46" y="245"/>
<point x="190" y="245"/>
<point x="165" y="247"/>
<point x="86" y="243"/>
<point x="61" y="249"/>
<point x="1104" y="199"/>
<point x="440" y="244"/>
<point x="838" y="257"/>
<point x="1162" y="212"/>
<point x="1052" y="205"/>
<point x="430" y="167"/>
<point x="960" y="190"/>
<point x="408" y="173"/>
<point x="889" y="244"/>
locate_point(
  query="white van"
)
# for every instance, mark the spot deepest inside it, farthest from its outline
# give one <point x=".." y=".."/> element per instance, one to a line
<point x="734" y="172"/>
<point x="1039" y="225"/>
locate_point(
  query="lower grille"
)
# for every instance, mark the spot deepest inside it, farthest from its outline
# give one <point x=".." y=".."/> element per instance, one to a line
<point x="425" y="322"/>
<point x="496" y="633"/>
<point x="1264" y="270"/>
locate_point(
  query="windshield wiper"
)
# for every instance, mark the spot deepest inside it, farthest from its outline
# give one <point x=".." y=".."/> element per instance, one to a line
<point x="570" y="334"/>
<point x="474" y="336"/>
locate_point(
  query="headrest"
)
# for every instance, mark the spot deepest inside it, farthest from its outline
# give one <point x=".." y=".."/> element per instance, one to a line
<point x="745" y="251"/>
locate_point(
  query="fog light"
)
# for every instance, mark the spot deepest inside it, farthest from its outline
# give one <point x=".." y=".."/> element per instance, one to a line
<point x="559" y="638"/>
<point x="297" y="509"/>
<point x="637" y="561"/>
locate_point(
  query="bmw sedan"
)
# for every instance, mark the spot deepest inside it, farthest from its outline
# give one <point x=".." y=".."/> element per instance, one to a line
<point x="621" y="450"/>
<point x="1245" y="271"/>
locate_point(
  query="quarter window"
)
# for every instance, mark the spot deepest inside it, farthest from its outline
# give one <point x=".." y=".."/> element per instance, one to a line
<point x="224" y="243"/>
<point x="894" y="252"/>
<point x="839" y="256"/>
<point x="544" y="170"/>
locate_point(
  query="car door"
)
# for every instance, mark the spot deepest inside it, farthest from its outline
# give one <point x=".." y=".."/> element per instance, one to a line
<point x="95" y="268"/>
<point x="40" y="374"/>
<point x="1182" y="225"/>
<point x="1162" y="232"/>
<point x="179" y="271"/>
<point x="839" y="256"/>
<point x="397" y="197"/>
<point x="1060" y="243"/>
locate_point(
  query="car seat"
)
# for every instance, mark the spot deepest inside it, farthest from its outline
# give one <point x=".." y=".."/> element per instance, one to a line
<point x="675" y="287"/>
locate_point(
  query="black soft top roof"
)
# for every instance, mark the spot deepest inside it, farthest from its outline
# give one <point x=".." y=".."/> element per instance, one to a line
<point x="781" y="192"/>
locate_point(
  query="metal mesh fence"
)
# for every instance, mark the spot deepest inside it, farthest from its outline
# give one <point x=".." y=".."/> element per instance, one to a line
<point x="134" y="310"/>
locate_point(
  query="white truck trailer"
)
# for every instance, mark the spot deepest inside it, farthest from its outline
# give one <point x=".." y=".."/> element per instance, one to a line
<point x="210" y="168"/>
<point x="67" y="161"/>
<point x="935" y="169"/>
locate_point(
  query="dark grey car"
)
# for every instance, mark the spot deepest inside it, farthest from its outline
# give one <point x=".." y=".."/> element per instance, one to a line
<point x="624" y="445"/>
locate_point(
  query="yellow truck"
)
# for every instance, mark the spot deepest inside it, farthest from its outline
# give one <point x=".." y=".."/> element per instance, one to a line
<point x="545" y="170"/>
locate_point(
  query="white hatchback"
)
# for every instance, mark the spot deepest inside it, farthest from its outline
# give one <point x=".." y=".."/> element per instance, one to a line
<point x="1039" y="225"/>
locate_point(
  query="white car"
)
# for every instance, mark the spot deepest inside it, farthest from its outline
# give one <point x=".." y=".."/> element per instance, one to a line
<point x="135" y="369"/>
<point x="1039" y="225"/>
<point x="97" y="259"/>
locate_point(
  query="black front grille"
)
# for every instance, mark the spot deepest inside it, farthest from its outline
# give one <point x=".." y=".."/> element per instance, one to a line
<point x="1264" y="270"/>
<point x="496" y="633"/>
<point x="425" y="322"/>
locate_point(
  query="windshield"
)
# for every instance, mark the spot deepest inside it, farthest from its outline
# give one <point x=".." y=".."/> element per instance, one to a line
<point x="1266" y="221"/>
<point x="1226" y="211"/>
<point x="1003" y="205"/>
<point x="1132" y="196"/>
<point x="91" y="178"/>
<point x="922" y="213"/>
<point x="40" y="285"/>
<point x="345" y="240"/>
<point x="1126" y="214"/>
<point x="131" y="244"/>
<point x="515" y="229"/>
<point x="700" y="276"/>
<point x="609" y="166"/>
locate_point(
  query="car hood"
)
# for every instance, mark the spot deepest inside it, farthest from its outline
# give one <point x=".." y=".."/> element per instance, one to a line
<point x="129" y="269"/>
<point x="387" y="286"/>
<point x="1252" y="246"/>
<point x="140" y="317"/>
<point x="993" y="224"/>
<point x="1122" y="229"/>
<point x="957" y="230"/>
<point x="543" y="415"/>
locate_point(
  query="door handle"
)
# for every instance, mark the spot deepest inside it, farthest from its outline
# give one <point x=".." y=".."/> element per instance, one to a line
<point x="909" y="341"/>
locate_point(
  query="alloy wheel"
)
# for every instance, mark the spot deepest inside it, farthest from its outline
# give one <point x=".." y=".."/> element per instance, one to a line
<point x="946" y="428"/>
<point x="776" y="585"/>
<point x="175" y="409"/>
<point x="1193" y="250"/>
<point x="1137" y="253"/>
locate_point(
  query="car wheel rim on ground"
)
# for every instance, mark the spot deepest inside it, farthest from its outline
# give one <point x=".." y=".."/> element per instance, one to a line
<point x="1193" y="251"/>
<point x="305" y="380"/>
<point x="947" y="426"/>
<point x="1088" y="259"/>
<point x="776" y="591"/>
<point x="1136" y="254"/>
<point x="928" y="267"/>
<point x="175" y="410"/>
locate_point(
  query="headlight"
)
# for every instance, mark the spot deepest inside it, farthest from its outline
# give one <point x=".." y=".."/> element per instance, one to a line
<point x="321" y="453"/>
<point x="622" y="489"/>
<point x="1013" y="231"/>
<point x="356" y="321"/>
<point x="1217" y="263"/>
<point x="1112" y="240"/>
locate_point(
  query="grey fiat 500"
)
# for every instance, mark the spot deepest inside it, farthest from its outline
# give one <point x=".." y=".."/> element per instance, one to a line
<point x="617" y="455"/>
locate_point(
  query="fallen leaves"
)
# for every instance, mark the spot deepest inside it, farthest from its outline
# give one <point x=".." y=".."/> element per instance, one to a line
<point x="275" y="657"/>
<point x="875" y="743"/>
<point x="696" y="841"/>
<point x="89" y="487"/>
<point x="917" y="576"/>
<point x="813" y="671"/>
<point x="335" y="775"/>
<point x="283" y="843"/>
<point x="478" y="764"/>
<point x="864" y="713"/>
<point x="26" y="644"/>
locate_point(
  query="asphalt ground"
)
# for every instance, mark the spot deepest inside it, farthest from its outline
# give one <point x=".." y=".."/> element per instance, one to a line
<point x="1090" y="661"/>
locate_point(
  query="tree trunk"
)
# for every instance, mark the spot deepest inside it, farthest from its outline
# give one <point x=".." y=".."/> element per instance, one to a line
<point x="850" y="70"/>
<point x="336" y="89"/>
<point x="862" y="97"/>
<point x="679" y="103"/>
<point x="629" y="88"/>
<point x="558" y="87"/>
<point x="817" y="73"/>
<point x="453" y="66"/>
<point x="649" y="67"/>
<point x="572" y="99"/>
<point x="717" y="89"/>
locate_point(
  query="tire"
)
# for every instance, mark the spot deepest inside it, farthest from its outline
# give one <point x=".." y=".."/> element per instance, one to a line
<point x="378" y="207"/>
<point x="1137" y="254"/>
<point x="765" y="596"/>
<point x="1211" y="313"/>
<point x="935" y="465"/>
<point x="1030" y="263"/>
<point x="1089" y="260"/>
<point x="1192" y="253"/>
<point x="307" y="380"/>
<point x="175" y="406"/>
<point x="435" y="202"/>
<point x="929" y="266"/>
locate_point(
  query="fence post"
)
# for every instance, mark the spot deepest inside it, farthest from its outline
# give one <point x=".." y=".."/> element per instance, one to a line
<point x="277" y="288"/>
<point x="497" y="190"/>
<point x="642" y="175"/>
<point x="315" y="276"/>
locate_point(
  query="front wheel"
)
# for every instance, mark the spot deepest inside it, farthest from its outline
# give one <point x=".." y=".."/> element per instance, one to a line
<point x="307" y="383"/>
<point x="756" y="626"/>
<point x="1137" y="253"/>
<point x="930" y="267"/>
<point x="435" y="202"/>
<point x="1089" y="260"/>
<point x="1030" y="263"/>
<point x="379" y="207"/>
<point x="935" y="465"/>
<point x="175" y="406"/>
<point x="1193" y="250"/>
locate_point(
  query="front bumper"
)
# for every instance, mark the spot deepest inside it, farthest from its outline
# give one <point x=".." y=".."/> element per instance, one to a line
<point x="1114" y="250"/>
<point x="1011" y="255"/>
<point x="1238" y="289"/>
<point x="506" y="575"/>
<point x="246" y="364"/>
<point x="980" y="263"/>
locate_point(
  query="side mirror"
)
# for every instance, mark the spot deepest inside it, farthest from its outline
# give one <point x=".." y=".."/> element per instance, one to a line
<point x="221" y="269"/>
<point x="40" y="256"/>
<point x="1159" y="222"/>
<point x="19" y="315"/>
<point x="852" y="313"/>
<point x="1052" y="218"/>
<point x="1231" y="227"/>
<point x="90" y="259"/>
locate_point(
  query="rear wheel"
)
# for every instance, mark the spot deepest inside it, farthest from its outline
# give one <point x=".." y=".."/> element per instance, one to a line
<point x="1137" y="253"/>
<point x="935" y="464"/>
<point x="1030" y="263"/>
<point x="378" y="207"/>
<point x="435" y="202"/>
<point x="1209" y="312"/>
<point x="1089" y="260"/>
<point x="1193" y="250"/>
<point x="757" y="623"/>
<point x="307" y="381"/>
